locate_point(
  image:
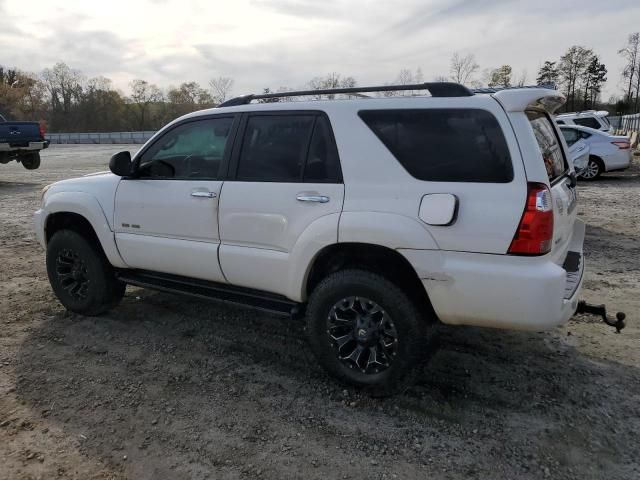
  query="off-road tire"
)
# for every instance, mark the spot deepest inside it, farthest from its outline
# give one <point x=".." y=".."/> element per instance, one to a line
<point x="30" y="161"/>
<point x="415" y="330"/>
<point x="102" y="290"/>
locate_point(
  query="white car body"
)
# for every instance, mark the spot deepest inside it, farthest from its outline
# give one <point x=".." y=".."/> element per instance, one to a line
<point x="590" y="118"/>
<point x="578" y="152"/>
<point x="260" y="235"/>
<point x="603" y="148"/>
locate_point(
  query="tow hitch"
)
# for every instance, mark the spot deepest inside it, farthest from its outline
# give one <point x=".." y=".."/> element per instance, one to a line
<point x="617" y="323"/>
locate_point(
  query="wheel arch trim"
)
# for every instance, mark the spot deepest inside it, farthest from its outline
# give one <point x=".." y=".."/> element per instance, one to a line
<point x="88" y="207"/>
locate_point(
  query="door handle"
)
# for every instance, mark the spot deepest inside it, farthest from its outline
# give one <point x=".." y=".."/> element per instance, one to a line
<point x="201" y="194"/>
<point x="312" y="198"/>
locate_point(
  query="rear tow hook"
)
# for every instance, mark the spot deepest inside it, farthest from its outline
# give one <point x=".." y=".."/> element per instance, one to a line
<point x="617" y="323"/>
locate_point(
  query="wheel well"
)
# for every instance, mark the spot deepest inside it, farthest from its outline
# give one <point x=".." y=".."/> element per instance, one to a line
<point x="598" y="160"/>
<point x="70" y="221"/>
<point x="381" y="260"/>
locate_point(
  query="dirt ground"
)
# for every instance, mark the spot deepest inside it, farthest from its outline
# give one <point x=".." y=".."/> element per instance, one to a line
<point x="166" y="387"/>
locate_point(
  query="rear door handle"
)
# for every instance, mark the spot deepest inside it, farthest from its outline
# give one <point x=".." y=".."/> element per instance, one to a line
<point x="201" y="194"/>
<point x="312" y="198"/>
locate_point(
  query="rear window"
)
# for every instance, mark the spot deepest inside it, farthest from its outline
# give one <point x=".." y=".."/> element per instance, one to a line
<point x="590" y="122"/>
<point x="444" y="145"/>
<point x="549" y="145"/>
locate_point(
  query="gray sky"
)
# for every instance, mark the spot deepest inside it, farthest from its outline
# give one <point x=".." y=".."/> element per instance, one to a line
<point x="273" y="43"/>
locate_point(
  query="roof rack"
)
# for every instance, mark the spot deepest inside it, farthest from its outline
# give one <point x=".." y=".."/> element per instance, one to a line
<point x="437" y="89"/>
<point x="499" y="89"/>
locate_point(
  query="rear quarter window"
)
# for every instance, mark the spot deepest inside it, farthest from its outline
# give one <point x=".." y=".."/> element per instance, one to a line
<point x="590" y="122"/>
<point x="444" y="145"/>
<point x="550" y="147"/>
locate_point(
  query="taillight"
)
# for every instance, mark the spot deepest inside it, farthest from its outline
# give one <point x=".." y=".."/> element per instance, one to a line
<point x="43" y="130"/>
<point x="535" y="232"/>
<point x="622" y="145"/>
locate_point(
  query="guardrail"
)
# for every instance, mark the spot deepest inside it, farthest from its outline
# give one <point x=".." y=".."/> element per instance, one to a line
<point x="102" y="137"/>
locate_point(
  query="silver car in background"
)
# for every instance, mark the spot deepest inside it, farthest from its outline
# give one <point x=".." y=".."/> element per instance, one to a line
<point x="608" y="153"/>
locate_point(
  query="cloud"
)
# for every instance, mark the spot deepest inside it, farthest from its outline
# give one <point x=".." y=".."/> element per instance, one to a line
<point x="273" y="43"/>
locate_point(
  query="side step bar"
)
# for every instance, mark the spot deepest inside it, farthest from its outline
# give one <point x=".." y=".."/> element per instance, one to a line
<point x="211" y="291"/>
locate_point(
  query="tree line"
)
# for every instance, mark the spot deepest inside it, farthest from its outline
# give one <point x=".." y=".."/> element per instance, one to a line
<point x="67" y="101"/>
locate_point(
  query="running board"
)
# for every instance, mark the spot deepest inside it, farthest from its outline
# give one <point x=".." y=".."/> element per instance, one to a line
<point x="193" y="287"/>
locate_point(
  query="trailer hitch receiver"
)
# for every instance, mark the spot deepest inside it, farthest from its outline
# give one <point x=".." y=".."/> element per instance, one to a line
<point x="617" y="323"/>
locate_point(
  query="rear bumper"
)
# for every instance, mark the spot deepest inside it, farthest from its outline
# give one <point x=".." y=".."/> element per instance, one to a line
<point x="501" y="291"/>
<point x="30" y="147"/>
<point x="620" y="161"/>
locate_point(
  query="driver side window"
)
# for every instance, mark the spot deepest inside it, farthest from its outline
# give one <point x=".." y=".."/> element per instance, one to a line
<point x="193" y="150"/>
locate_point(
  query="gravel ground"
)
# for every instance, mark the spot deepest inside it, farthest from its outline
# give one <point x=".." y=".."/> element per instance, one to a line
<point x="175" y="388"/>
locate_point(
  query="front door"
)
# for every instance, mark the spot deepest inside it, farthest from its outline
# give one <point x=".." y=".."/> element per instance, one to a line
<point x="166" y="216"/>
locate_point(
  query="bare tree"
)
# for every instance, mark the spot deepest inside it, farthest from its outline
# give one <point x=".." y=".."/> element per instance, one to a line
<point x="462" y="68"/>
<point x="64" y="85"/>
<point x="571" y="69"/>
<point x="220" y="89"/>
<point x="631" y="53"/>
<point x="331" y="80"/>
<point x="143" y="95"/>
<point x="522" y="79"/>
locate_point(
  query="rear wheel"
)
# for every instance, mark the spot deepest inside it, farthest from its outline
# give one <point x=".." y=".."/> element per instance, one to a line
<point x="593" y="170"/>
<point x="80" y="275"/>
<point x="367" y="332"/>
<point x="30" y="161"/>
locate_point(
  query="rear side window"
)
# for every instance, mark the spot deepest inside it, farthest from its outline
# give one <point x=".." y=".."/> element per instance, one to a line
<point x="548" y="143"/>
<point x="274" y="147"/>
<point x="323" y="164"/>
<point x="444" y="145"/>
<point x="289" y="148"/>
<point x="590" y="122"/>
<point x="570" y="135"/>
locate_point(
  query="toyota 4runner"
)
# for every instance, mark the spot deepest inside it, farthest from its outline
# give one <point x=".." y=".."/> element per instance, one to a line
<point x="373" y="218"/>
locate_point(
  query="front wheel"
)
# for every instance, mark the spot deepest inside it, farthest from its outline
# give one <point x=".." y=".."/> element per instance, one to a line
<point x="592" y="171"/>
<point x="80" y="275"/>
<point x="365" y="331"/>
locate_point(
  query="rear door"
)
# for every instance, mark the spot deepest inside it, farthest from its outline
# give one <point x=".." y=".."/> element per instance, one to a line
<point x="558" y="169"/>
<point x="284" y="177"/>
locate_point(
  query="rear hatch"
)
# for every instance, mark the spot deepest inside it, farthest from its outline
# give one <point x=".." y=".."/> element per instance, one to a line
<point x="19" y="134"/>
<point x="563" y="192"/>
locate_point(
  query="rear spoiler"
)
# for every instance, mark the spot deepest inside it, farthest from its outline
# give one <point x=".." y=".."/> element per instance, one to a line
<point x="520" y="99"/>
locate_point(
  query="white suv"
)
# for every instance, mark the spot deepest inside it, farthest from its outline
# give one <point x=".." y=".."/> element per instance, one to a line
<point x="589" y="118"/>
<point x="375" y="218"/>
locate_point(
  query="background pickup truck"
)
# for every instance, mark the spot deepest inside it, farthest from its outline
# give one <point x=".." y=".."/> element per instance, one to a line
<point x="22" y="142"/>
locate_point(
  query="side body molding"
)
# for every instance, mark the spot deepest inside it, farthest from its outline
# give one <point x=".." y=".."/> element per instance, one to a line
<point x="88" y="206"/>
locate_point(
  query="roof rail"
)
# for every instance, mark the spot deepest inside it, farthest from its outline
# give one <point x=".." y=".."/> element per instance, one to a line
<point x="437" y="89"/>
<point x="498" y="89"/>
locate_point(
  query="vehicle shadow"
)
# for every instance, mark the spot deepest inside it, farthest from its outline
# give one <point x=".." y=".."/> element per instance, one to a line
<point x="191" y="389"/>
<point x="13" y="187"/>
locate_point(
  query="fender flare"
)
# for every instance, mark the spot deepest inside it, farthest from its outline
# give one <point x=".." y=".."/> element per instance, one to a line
<point x="352" y="227"/>
<point x="88" y="207"/>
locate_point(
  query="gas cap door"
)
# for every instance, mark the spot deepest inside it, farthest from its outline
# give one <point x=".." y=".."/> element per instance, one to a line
<point x="439" y="209"/>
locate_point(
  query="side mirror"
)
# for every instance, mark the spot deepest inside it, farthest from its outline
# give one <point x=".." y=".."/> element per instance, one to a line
<point x="120" y="164"/>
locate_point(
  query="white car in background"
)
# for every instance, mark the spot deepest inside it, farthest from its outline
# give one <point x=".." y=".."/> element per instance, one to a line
<point x="578" y="149"/>
<point x="608" y="153"/>
<point x="589" y="118"/>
